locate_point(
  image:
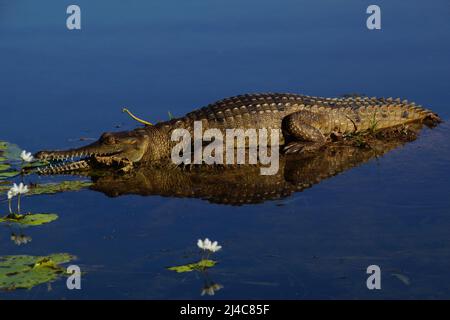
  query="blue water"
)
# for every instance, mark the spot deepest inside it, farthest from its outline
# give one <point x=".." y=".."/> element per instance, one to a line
<point x="58" y="85"/>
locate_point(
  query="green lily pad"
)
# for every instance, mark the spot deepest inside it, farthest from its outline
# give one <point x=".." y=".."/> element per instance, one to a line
<point x="198" y="266"/>
<point x="25" y="272"/>
<point x="52" y="188"/>
<point x="8" y="154"/>
<point x="27" y="167"/>
<point x="11" y="152"/>
<point x="8" y="174"/>
<point x="28" y="220"/>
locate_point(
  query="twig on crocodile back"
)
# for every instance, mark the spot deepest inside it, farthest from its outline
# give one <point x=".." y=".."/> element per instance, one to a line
<point x="136" y="118"/>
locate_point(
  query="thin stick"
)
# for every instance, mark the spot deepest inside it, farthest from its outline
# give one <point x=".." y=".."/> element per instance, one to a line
<point x="136" y="118"/>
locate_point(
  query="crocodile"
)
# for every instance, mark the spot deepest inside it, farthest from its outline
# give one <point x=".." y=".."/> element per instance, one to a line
<point x="305" y="124"/>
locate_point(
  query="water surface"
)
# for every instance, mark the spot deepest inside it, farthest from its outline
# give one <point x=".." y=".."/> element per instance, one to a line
<point x="59" y="85"/>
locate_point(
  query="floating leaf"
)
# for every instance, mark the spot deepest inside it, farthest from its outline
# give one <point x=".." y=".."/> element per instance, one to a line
<point x="9" y="174"/>
<point x="31" y="219"/>
<point x="35" y="164"/>
<point x="8" y="154"/>
<point x="10" y="151"/>
<point x="52" y="188"/>
<point x="201" y="265"/>
<point x="25" y="272"/>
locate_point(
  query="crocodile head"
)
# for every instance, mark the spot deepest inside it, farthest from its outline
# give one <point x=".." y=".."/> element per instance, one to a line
<point x="119" y="149"/>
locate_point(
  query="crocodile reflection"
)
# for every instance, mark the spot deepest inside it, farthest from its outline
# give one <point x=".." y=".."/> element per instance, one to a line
<point x="240" y="185"/>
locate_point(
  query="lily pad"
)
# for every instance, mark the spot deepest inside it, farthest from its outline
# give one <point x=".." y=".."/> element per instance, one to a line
<point x="28" y="220"/>
<point x="52" y="188"/>
<point x="25" y="272"/>
<point x="11" y="151"/>
<point x="8" y="174"/>
<point x="29" y="166"/>
<point x="8" y="154"/>
<point x="198" y="266"/>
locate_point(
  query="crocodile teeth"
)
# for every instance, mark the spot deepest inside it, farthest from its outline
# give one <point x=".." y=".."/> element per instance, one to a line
<point x="63" y="168"/>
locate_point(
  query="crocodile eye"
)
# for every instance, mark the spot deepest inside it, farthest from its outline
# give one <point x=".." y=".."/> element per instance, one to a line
<point x="108" y="138"/>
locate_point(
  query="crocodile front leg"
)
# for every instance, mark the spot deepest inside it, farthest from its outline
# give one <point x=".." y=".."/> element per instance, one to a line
<point x="303" y="127"/>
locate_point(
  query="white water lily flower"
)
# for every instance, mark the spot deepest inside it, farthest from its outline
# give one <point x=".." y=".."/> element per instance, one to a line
<point x="18" y="189"/>
<point x="26" y="156"/>
<point x="214" y="247"/>
<point x="204" y="244"/>
<point x="200" y="244"/>
<point x="14" y="191"/>
<point x="208" y="245"/>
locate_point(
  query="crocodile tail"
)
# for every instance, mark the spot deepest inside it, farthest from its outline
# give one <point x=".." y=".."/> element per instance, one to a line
<point x="395" y="114"/>
<point x="418" y="113"/>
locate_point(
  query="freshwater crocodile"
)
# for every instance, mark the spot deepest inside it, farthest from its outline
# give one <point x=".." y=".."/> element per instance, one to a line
<point x="304" y="123"/>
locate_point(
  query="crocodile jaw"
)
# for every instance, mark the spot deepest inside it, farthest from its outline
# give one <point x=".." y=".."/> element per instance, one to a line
<point x="70" y="160"/>
<point x="120" y="149"/>
<point x="64" y="167"/>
